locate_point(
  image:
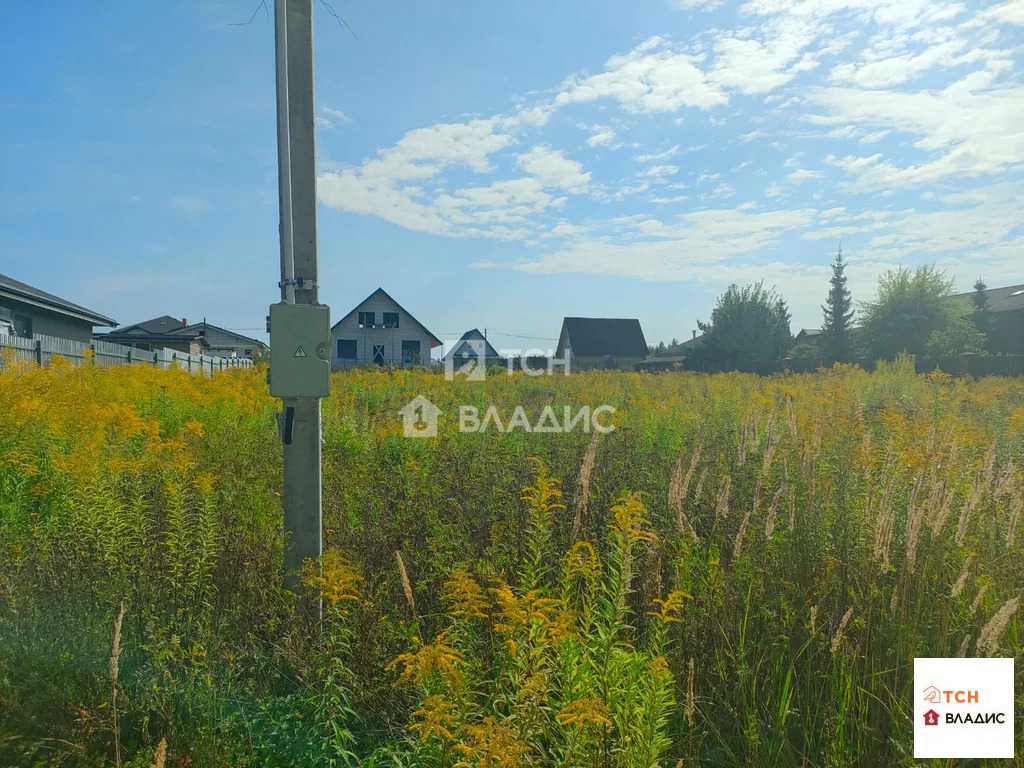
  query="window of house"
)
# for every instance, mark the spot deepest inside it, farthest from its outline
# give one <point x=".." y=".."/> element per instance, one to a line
<point x="248" y="353"/>
<point x="23" y="326"/>
<point x="410" y="353"/>
<point x="366" y="319"/>
<point x="143" y="345"/>
<point x="390" y="319"/>
<point x="378" y="354"/>
<point x="346" y="349"/>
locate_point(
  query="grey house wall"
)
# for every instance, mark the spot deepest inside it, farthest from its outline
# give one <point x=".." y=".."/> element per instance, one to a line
<point x="48" y="323"/>
<point x="391" y="338"/>
<point x="589" y="362"/>
<point x="223" y="344"/>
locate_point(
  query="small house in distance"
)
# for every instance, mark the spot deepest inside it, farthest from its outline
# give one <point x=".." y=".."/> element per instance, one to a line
<point x="379" y="331"/>
<point x="601" y="342"/>
<point x="156" y="334"/>
<point x="807" y="336"/>
<point x="472" y="347"/>
<point x="29" y="311"/>
<point x="168" y="332"/>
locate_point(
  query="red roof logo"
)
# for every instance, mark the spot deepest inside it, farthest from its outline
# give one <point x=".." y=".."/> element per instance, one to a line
<point x="931" y="717"/>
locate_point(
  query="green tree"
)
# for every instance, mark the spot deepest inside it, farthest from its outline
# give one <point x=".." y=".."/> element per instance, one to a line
<point x="982" y="315"/>
<point x="957" y="338"/>
<point x="748" y="325"/>
<point x="835" y="342"/>
<point x="805" y="353"/>
<point x="909" y="308"/>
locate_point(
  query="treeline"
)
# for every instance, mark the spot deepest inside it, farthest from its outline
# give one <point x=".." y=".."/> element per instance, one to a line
<point x="913" y="312"/>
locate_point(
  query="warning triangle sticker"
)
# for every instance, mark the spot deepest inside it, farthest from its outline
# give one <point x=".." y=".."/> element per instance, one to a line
<point x="300" y="352"/>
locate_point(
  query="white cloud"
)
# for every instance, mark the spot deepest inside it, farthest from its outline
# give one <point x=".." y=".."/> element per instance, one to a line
<point x="553" y="169"/>
<point x="602" y="136"/>
<point x="650" y="78"/>
<point x="970" y="128"/>
<point x="336" y="114"/>
<point x="502" y="178"/>
<point x="695" y="5"/>
<point x="660" y="171"/>
<point x="801" y="175"/>
<point x="871" y="138"/>
<point x="697" y="244"/>
<point x="566" y="229"/>
<point x="658" y="157"/>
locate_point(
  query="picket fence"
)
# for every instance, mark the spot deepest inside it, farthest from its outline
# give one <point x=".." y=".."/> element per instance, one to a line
<point x="42" y="349"/>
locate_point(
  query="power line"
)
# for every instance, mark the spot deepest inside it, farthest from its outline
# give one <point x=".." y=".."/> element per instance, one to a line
<point x="513" y="335"/>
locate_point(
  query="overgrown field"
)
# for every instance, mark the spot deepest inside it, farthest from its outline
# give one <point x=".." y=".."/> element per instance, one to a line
<point x="739" y="575"/>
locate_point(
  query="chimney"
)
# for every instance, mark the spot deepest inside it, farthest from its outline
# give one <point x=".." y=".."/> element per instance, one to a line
<point x="184" y="321"/>
<point x="695" y="334"/>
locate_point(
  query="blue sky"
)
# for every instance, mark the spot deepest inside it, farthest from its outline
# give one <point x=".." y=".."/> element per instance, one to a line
<point x="503" y="165"/>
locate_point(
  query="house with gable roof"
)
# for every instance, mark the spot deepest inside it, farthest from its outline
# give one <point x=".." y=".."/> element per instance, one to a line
<point x="380" y="331"/>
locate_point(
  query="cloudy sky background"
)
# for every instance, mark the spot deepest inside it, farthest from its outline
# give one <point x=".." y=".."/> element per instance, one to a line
<point x="503" y="167"/>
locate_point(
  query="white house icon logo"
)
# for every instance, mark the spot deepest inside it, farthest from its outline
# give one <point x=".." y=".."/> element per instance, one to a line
<point x="419" y="418"/>
<point x="932" y="695"/>
<point x="468" y="360"/>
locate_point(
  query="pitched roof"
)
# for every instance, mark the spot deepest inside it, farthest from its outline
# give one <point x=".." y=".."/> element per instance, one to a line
<point x="809" y="333"/>
<point x="435" y="342"/>
<point x="603" y="336"/>
<point x="200" y="329"/>
<point x="25" y="293"/>
<point x="1008" y="299"/>
<point x="158" y="325"/>
<point x="462" y="348"/>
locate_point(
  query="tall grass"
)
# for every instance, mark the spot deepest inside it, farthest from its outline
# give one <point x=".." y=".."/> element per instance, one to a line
<point x="740" y="574"/>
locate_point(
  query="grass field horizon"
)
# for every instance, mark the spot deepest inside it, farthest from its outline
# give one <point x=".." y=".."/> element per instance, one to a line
<point x="739" y="574"/>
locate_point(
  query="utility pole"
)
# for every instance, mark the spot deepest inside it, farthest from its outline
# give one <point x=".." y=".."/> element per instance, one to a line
<point x="299" y="325"/>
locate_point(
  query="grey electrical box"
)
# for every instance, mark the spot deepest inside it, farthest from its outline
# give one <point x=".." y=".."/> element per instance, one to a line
<point x="300" y="350"/>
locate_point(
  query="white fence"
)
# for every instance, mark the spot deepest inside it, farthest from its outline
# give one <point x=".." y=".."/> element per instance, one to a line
<point x="42" y="349"/>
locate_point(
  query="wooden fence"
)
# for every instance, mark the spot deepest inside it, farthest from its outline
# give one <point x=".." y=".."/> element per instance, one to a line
<point x="42" y="349"/>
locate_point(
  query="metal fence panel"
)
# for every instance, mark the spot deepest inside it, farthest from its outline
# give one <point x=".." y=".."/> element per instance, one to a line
<point x="42" y="349"/>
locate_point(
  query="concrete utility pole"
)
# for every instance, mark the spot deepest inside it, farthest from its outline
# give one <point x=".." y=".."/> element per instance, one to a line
<point x="299" y="372"/>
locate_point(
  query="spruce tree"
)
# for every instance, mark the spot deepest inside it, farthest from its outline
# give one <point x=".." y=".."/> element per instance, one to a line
<point x="982" y="315"/>
<point x="836" y="336"/>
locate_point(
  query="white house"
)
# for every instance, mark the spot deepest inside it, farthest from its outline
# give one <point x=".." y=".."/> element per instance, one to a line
<point x="379" y="331"/>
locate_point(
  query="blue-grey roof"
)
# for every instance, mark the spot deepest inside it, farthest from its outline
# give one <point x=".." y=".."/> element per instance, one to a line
<point x="15" y="289"/>
<point x="1008" y="299"/>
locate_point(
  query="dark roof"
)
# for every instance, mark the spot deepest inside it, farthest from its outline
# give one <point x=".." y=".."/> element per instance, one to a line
<point x="166" y="338"/>
<point x="459" y="348"/>
<point x="1008" y="299"/>
<point x="158" y="325"/>
<point x="809" y="333"/>
<point x="603" y="336"/>
<point x="436" y="342"/>
<point x="199" y="329"/>
<point x="25" y="293"/>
